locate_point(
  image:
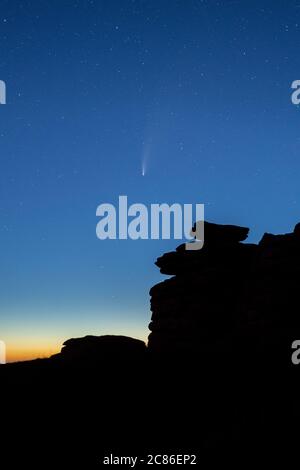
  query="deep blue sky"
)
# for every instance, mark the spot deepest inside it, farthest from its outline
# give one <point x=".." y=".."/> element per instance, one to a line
<point x="201" y="89"/>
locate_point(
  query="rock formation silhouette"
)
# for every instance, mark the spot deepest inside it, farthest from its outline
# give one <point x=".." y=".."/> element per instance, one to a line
<point x="197" y="308"/>
<point x="229" y="298"/>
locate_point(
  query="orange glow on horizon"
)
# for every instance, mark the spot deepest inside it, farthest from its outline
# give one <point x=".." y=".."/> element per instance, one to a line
<point x="29" y="348"/>
<point x="28" y="351"/>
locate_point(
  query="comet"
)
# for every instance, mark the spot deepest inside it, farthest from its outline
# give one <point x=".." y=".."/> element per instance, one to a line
<point x="147" y="149"/>
<point x="145" y="157"/>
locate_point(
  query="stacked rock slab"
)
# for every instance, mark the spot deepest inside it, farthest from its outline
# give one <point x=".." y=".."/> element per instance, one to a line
<point x="227" y="296"/>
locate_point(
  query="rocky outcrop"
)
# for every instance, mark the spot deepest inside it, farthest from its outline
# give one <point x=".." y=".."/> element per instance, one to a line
<point x="229" y="298"/>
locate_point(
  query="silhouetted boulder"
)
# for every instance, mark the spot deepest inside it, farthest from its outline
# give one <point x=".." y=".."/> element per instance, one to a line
<point x="101" y="349"/>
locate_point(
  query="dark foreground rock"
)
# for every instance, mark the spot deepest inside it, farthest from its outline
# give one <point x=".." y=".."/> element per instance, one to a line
<point x="101" y="349"/>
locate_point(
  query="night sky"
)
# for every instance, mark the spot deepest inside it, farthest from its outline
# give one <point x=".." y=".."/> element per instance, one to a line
<point x="197" y="92"/>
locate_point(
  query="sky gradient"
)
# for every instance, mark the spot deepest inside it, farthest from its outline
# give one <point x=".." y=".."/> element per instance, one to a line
<point x="195" y="93"/>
